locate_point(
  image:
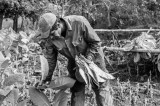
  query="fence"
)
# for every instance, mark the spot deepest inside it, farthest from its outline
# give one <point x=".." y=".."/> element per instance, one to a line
<point x="128" y="30"/>
<point x="125" y="30"/>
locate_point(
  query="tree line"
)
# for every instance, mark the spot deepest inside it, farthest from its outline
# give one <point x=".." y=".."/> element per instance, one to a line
<point x="107" y="14"/>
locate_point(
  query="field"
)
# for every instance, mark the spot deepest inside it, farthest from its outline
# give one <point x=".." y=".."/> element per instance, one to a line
<point x="23" y="67"/>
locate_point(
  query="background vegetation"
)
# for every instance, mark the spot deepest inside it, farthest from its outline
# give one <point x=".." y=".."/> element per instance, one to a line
<point x="107" y="14"/>
<point x="140" y="86"/>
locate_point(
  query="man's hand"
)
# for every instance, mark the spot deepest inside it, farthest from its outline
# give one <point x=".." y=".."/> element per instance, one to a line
<point x="41" y="86"/>
<point x="47" y="81"/>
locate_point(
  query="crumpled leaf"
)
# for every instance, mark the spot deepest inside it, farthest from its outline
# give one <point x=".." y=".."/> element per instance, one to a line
<point x="137" y="57"/>
<point x="15" y="78"/>
<point x="38" y="97"/>
<point x="62" y="83"/>
<point x="61" y="98"/>
<point x="145" y="41"/>
<point x="44" y="67"/>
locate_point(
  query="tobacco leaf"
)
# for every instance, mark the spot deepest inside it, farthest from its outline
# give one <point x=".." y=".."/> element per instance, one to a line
<point x="13" y="96"/>
<point x="5" y="64"/>
<point x="2" y="97"/>
<point x="100" y="73"/>
<point x="15" y="78"/>
<point x="38" y="97"/>
<point x="22" y="103"/>
<point x="81" y="76"/>
<point x="61" y="98"/>
<point x="62" y="83"/>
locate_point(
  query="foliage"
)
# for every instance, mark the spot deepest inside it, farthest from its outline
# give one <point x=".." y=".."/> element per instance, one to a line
<point x="116" y="14"/>
<point x="61" y="98"/>
<point x="27" y="62"/>
<point x="137" y="94"/>
<point x="23" y="66"/>
<point x="25" y="8"/>
<point x="38" y="98"/>
<point x="20" y="56"/>
<point x="62" y="83"/>
<point x="12" y="79"/>
<point x="113" y="14"/>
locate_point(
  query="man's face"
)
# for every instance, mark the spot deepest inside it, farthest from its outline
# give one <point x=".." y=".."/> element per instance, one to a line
<point x="57" y="32"/>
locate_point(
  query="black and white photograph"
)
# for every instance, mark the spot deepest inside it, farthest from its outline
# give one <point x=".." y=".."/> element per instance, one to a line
<point x="79" y="52"/>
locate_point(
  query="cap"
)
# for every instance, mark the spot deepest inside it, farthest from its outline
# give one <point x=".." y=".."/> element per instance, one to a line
<point x="46" y="21"/>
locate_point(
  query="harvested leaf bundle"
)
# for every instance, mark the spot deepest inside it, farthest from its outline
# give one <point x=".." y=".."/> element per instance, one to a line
<point x="91" y="71"/>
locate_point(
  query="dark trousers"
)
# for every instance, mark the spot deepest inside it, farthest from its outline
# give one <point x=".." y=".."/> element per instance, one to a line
<point x="103" y="97"/>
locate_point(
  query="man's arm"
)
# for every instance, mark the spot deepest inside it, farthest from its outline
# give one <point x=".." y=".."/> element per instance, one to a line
<point x="51" y="55"/>
<point x="92" y="39"/>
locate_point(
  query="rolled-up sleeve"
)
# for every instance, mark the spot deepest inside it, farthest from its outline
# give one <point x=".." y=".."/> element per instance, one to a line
<point x="92" y="39"/>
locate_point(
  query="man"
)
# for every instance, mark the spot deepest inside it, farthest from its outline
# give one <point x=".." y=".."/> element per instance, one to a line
<point x="72" y="36"/>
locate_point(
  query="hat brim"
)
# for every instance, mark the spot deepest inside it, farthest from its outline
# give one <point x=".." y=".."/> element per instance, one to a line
<point x="42" y="35"/>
